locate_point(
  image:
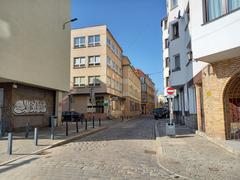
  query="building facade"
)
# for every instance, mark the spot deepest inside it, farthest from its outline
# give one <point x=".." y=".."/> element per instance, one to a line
<point x="215" y="40"/>
<point x="180" y="69"/>
<point x="131" y="89"/>
<point x="148" y="92"/>
<point x="96" y="66"/>
<point x="33" y="52"/>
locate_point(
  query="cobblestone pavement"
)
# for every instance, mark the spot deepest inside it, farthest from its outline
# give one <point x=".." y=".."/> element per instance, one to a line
<point x="194" y="156"/>
<point x="125" y="151"/>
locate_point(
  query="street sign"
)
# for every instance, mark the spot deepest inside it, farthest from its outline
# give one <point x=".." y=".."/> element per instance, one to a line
<point x="171" y="92"/>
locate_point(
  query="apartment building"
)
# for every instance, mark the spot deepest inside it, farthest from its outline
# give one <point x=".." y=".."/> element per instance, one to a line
<point x="96" y="68"/>
<point x="33" y="51"/>
<point x="180" y="69"/>
<point x="216" y="40"/>
<point x="148" y="92"/>
<point x="131" y="89"/>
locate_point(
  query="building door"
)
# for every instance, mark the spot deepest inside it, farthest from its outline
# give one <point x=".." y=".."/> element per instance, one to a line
<point x="232" y="108"/>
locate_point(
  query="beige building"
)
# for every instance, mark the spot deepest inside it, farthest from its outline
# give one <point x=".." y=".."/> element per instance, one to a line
<point x="131" y="89"/>
<point x="96" y="67"/>
<point x="148" y="92"/>
<point x="34" y="50"/>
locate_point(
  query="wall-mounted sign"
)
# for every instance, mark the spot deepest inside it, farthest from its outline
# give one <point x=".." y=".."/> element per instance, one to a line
<point x="30" y="107"/>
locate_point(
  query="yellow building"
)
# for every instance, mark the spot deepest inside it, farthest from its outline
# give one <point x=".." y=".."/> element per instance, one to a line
<point x="33" y="52"/>
<point x="96" y="67"/>
<point x="148" y="92"/>
<point x="131" y="89"/>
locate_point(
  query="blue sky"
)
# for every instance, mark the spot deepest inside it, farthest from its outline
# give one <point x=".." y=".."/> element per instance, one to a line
<point x="136" y="26"/>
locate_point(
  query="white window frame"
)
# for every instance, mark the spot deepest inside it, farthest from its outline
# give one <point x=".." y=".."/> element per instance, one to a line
<point x="81" y="64"/>
<point x="96" y="62"/>
<point x="80" y="82"/>
<point x="95" y="42"/>
<point x="79" y="44"/>
<point x="96" y="81"/>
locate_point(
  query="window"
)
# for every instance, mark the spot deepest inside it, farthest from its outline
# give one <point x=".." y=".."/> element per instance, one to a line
<point x="165" y="24"/>
<point x="174" y="3"/>
<point x="217" y="8"/>
<point x="79" y="81"/>
<point x="177" y="63"/>
<point x="166" y="43"/>
<point x="108" y="61"/>
<point x="175" y="30"/>
<point x="94" y="80"/>
<point x="167" y="62"/>
<point x="142" y="79"/>
<point x="167" y="81"/>
<point x="79" y="62"/>
<point x="93" y="61"/>
<point x="94" y="40"/>
<point x="79" y="42"/>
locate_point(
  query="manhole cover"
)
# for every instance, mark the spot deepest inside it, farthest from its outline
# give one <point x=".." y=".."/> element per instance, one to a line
<point x="213" y="169"/>
<point x="149" y="152"/>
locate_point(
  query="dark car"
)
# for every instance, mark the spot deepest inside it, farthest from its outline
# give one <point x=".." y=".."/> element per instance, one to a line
<point x="160" y="113"/>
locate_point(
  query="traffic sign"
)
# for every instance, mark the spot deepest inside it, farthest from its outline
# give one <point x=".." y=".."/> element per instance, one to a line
<point x="170" y="92"/>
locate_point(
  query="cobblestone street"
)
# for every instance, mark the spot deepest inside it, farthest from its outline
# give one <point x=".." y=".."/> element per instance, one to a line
<point x="125" y="151"/>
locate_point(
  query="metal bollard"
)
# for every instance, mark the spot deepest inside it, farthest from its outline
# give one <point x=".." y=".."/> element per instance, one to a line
<point x="85" y="124"/>
<point x="93" y="122"/>
<point x="77" y="126"/>
<point x="99" y="122"/>
<point x="66" y="128"/>
<point x="9" y="143"/>
<point x="27" y="130"/>
<point x="36" y="136"/>
<point x="52" y="127"/>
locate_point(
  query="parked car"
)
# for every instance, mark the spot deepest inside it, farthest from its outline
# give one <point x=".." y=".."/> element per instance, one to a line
<point x="160" y="113"/>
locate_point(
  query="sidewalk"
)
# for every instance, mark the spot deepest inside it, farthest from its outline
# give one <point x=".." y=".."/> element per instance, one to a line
<point x="25" y="146"/>
<point x="193" y="156"/>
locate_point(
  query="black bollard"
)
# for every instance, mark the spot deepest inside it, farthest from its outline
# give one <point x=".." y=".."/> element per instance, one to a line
<point x="85" y="124"/>
<point x="77" y="125"/>
<point x="99" y="122"/>
<point x="66" y="128"/>
<point x="93" y="122"/>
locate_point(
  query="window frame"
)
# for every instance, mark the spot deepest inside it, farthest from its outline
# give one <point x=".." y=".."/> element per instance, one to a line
<point x="79" y="45"/>
<point x="177" y="68"/>
<point x="178" y="30"/>
<point x="95" y="63"/>
<point x="225" y="10"/>
<point x="94" y="42"/>
<point x="176" y="5"/>
<point x="75" y="66"/>
<point x="80" y="84"/>
<point x="95" y="83"/>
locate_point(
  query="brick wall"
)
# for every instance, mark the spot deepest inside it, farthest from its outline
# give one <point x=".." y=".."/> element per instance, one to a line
<point x="214" y="80"/>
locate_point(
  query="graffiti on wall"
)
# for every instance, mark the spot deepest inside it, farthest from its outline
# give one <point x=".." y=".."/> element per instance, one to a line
<point x="30" y="106"/>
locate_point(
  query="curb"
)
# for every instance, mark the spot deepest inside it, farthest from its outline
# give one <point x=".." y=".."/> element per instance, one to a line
<point x="60" y="143"/>
<point x="160" y="153"/>
<point x="221" y="145"/>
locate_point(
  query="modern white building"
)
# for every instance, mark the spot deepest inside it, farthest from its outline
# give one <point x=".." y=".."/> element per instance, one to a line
<point x="215" y="26"/>
<point x="180" y="69"/>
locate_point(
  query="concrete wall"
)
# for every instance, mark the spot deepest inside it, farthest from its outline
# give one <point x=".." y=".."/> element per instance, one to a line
<point x="34" y="48"/>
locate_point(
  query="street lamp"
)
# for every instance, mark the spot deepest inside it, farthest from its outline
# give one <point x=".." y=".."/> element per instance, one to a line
<point x="72" y="20"/>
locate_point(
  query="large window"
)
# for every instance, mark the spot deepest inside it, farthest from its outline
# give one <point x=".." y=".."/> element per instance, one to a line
<point x="93" y="61"/>
<point x="79" y="62"/>
<point x="94" y="80"/>
<point x="79" y="81"/>
<point x="174" y="3"/>
<point x="79" y="42"/>
<point x="94" y="40"/>
<point x="175" y="30"/>
<point x="217" y="8"/>
<point x="177" y="63"/>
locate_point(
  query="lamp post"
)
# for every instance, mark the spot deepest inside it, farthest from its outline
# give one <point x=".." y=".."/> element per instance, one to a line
<point x="72" y="20"/>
